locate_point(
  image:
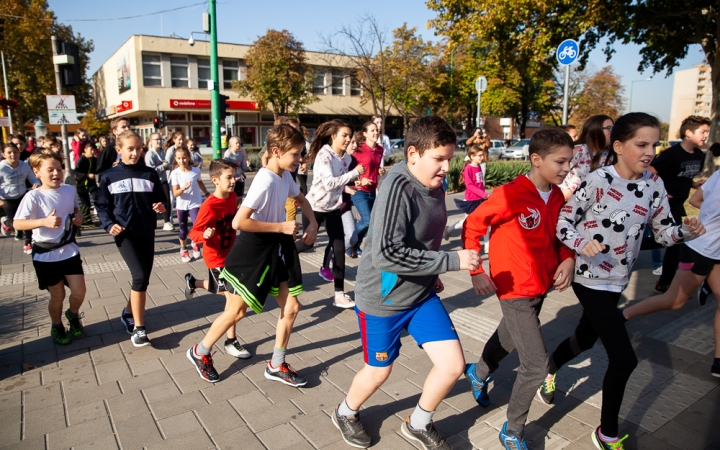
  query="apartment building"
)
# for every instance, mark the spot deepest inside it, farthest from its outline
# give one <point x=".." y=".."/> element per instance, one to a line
<point x="692" y="95"/>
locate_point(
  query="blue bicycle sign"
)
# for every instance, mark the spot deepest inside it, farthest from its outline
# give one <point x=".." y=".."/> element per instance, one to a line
<point x="568" y="52"/>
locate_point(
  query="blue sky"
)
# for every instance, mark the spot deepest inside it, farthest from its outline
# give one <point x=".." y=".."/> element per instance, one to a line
<point x="241" y="21"/>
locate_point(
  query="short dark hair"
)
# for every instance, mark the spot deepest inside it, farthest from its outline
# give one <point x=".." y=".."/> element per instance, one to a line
<point x="429" y="132"/>
<point x="285" y="137"/>
<point x="546" y="140"/>
<point x="218" y="165"/>
<point x="19" y="137"/>
<point x="9" y="145"/>
<point x="692" y="123"/>
<point x="715" y="149"/>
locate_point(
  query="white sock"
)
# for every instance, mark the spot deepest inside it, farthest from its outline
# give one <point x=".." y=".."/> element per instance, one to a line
<point x="606" y="438"/>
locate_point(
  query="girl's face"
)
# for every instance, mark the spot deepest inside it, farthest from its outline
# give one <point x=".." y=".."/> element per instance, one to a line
<point x="182" y="159"/>
<point x="341" y="140"/>
<point x="635" y="154"/>
<point x="371" y="135"/>
<point x="191" y="145"/>
<point x="478" y="158"/>
<point x="607" y="128"/>
<point x="103" y="141"/>
<point x="352" y="146"/>
<point x="130" y="150"/>
<point x="50" y="173"/>
<point x="178" y="141"/>
<point x="12" y="155"/>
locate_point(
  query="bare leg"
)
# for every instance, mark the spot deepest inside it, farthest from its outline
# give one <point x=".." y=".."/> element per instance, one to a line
<point x="76" y="283"/>
<point x="235" y="308"/>
<point x="366" y="382"/>
<point x="683" y="285"/>
<point x="137" y="307"/>
<point x="289" y="309"/>
<point x="448" y="365"/>
<point x="55" y="305"/>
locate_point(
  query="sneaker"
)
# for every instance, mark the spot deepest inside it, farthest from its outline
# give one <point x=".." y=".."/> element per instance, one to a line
<point x="184" y="255"/>
<point x="602" y="445"/>
<point x="189" y="286"/>
<point x="349" y="253"/>
<point x="27" y="249"/>
<point x="657" y="271"/>
<point x="6" y="230"/>
<point x="661" y="288"/>
<point x="195" y="250"/>
<point x="358" y="253"/>
<point x="479" y="387"/>
<point x="18" y="235"/>
<point x="234" y="348"/>
<point x="704" y="293"/>
<point x="139" y="338"/>
<point x="168" y="226"/>
<point x="546" y="391"/>
<point x="285" y="374"/>
<point x="446" y="234"/>
<point x="127" y="320"/>
<point x="203" y="365"/>
<point x="512" y="440"/>
<point x="715" y="370"/>
<point x="342" y="300"/>
<point x="60" y="336"/>
<point x="428" y="438"/>
<point x="76" y="328"/>
<point x="353" y="432"/>
<point x="326" y="274"/>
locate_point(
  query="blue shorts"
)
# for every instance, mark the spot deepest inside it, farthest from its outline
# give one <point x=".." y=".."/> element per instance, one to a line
<point x="426" y="322"/>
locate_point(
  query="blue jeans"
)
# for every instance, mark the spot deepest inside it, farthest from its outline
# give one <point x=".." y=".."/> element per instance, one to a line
<point x="363" y="202"/>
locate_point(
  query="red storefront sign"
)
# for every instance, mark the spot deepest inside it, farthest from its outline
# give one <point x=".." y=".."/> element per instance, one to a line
<point x="205" y="104"/>
<point x="125" y="105"/>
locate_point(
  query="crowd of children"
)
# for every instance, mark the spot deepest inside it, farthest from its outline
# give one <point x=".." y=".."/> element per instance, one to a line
<point x="576" y="219"/>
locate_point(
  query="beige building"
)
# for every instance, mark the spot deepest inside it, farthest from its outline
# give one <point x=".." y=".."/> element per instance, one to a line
<point x="692" y="95"/>
<point x="148" y="74"/>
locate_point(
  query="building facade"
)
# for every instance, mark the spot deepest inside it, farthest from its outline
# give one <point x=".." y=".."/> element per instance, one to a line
<point x="148" y="74"/>
<point x="692" y="95"/>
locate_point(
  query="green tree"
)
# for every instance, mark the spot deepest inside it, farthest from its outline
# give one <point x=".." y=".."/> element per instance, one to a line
<point x="278" y="74"/>
<point x="28" y="58"/>
<point x="601" y="93"/>
<point x="93" y="126"/>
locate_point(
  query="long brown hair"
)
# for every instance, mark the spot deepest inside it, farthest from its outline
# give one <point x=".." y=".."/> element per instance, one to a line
<point x="170" y="142"/>
<point x="323" y="136"/>
<point x="593" y="137"/>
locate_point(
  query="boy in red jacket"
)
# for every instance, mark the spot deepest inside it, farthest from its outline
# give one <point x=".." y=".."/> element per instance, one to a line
<point x="526" y="261"/>
<point x="213" y="228"/>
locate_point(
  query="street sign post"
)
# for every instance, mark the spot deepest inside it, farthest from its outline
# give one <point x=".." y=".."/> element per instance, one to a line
<point x="61" y="109"/>
<point x="567" y="53"/>
<point x="480" y="87"/>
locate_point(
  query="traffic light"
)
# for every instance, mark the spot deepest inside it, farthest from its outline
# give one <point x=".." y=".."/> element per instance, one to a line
<point x="2" y="29"/>
<point x="70" y="73"/>
<point x="223" y="106"/>
<point x="156" y="123"/>
<point x="162" y="119"/>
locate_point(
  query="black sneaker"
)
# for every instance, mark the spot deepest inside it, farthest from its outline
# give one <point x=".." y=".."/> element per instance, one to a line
<point x="203" y="365"/>
<point x="139" y="337"/>
<point x="715" y="370"/>
<point x="76" y="328"/>
<point x="353" y="432"/>
<point x="661" y="288"/>
<point x="546" y="391"/>
<point x="428" y="438"/>
<point x="127" y="320"/>
<point x="189" y="286"/>
<point x="286" y="375"/>
<point x="704" y="293"/>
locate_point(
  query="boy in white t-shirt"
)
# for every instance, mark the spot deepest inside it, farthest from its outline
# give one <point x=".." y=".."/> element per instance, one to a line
<point x="52" y="211"/>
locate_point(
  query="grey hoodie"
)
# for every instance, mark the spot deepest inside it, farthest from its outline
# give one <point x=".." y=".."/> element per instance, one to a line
<point x="402" y="260"/>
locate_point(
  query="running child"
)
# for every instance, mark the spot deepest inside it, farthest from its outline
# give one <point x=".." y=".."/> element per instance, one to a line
<point x="603" y="222"/>
<point x="129" y="198"/>
<point x="14" y="176"/>
<point x="197" y="159"/>
<point x="397" y="285"/>
<point x="52" y="212"/>
<point x="238" y="155"/>
<point x="522" y="215"/>
<point x="214" y="230"/>
<point x="264" y="259"/>
<point x="155" y="159"/>
<point x="85" y="182"/>
<point x="474" y="187"/>
<point x="186" y="183"/>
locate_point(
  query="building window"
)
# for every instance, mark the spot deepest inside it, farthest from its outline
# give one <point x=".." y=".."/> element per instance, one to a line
<point x="700" y="88"/>
<point x="319" y="83"/>
<point x="152" y="70"/>
<point x="230" y="73"/>
<point x="203" y="66"/>
<point x="179" y="71"/>
<point x="355" y="89"/>
<point x="338" y="83"/>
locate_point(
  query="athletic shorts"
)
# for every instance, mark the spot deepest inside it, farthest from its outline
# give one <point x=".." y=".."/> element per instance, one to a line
<point x="426" y="322"/>
<point x="695" y="262"/>
<point x="215" y="284"/>
<point x="258" y="263"/>
<point x="239" y="188"/>
<point x="51" y="273"/>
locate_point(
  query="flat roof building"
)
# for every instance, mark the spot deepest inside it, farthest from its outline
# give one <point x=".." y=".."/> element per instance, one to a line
<point x="692" y="96"/>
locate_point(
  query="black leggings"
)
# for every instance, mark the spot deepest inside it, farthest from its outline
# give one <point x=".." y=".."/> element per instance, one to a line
<point x="336" y="234"/>
<point x="168" y="205"/>
<point x="11" y="207"/>
<point x="672" y="253"/>
<point x="138" y="253"/>
<point x="84" y="194"/>
<point x="601" y="319"/>
<point x="302" y="180"/>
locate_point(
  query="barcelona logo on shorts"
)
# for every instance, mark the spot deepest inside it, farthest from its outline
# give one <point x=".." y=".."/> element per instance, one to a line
<point x="381" y="356"/>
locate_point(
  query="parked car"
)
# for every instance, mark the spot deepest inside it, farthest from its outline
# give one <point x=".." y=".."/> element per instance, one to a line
<point x="461" y="144"/>
<point x="519" y="150"/>
<point x="496" y="150"/>
<point x="397" y="145"/>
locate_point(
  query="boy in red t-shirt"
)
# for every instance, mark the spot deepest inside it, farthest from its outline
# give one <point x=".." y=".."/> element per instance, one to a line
<point x="213" y="228"/>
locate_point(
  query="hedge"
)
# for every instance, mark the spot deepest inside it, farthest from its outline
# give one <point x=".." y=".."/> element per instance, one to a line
<point x="498" y="172"/>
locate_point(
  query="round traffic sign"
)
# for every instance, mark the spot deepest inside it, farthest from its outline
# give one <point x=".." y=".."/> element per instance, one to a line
<point x="568" y="52"/>
<point x="481" y="84"/>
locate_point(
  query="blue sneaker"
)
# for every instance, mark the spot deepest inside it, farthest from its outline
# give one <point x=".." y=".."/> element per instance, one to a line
<point x="479" y="387"/>
<point x="512" y="440"/>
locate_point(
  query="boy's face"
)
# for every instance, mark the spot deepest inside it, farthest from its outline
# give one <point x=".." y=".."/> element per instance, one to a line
<point x="123" y="125"/>
<point x="89" y="152"/>
<point x="225" y="182"/>
<point x="289" y="160"/>
<point x="11" y="154"/>
<point x="698" y="137"/>
<point x="431" y="167"/>
<point x="555" y="166"/>
<point x="20" y="144"/>
<point x="50" y="173"/>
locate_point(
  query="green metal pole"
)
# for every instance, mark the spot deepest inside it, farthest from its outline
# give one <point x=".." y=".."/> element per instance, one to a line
<point x="452" y="56"/>
<point x="215" y="93"/>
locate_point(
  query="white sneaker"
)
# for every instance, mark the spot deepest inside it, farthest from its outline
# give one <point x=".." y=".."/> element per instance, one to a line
<point x="235" y="349"/>
<point x="657" y="271"/>
<point x="342" y="300"/>
<point x="195" y="250"/>
<point x="168" y="226"/>
<point x="184" y="255"/>
<point x="446" y="234"/>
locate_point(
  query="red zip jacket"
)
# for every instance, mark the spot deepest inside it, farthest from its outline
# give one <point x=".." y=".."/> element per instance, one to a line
<point x="370" y="159"/>
<point x="525" y="253"/>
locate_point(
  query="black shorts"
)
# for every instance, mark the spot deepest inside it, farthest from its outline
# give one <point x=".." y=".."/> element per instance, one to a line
<point x="239" y="188"/>
<point x="695" y="262"/>
<point x="258" y="263"/>
<point x="51" y="273"/>
<point x="215" y="284"/>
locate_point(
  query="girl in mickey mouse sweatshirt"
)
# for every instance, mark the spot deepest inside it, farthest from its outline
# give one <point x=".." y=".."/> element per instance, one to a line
<point x="603" y="222"/>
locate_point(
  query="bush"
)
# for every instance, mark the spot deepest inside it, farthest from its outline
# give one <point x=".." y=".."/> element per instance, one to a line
<point x="498" y="172"/>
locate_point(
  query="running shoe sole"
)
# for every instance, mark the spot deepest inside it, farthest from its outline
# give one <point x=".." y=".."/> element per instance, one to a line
<point x="141" y="344"/>
<point x="343" y="305"/>
<point x="334" y="421"/>
<point x="272" y="378"/>
<point x="190" y="358"/>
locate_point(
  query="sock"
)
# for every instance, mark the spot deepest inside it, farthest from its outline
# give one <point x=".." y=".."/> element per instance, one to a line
<point x="72" y="315"/>
<point x="278" y="357"/>
<point x="605" y="438"/>
<point x="230" y="341"/>
<point x="58" y="325"/>
<point x="344" y="409"/>
<point x="477" y="375"/>
<point x="622" y="316"/>
<point x="420" y="419"/>
<point x="201" y="350"/>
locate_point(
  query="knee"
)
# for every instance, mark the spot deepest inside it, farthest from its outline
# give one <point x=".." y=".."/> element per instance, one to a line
<point x="378" y="375"/>
<point x="292" y="309"/>
<point x="79" y="292"/>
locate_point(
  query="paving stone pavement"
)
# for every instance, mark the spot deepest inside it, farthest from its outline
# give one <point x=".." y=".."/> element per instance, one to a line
<point x="100" y="392"/>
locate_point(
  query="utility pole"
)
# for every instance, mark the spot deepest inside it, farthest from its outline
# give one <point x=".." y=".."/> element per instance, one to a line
<point x="7" y="93"/>
<point x="63" y="127"/>
<point x="215" y="92"/>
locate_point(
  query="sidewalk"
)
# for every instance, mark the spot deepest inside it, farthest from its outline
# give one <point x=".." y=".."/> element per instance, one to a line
<point x="100" y="392"/>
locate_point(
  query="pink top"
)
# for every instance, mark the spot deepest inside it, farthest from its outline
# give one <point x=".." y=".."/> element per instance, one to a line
<point x="474" y="183"/>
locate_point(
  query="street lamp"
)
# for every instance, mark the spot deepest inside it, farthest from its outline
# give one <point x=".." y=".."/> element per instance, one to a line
<point x="40" y="128"/>
<point x="631" y="90"/>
